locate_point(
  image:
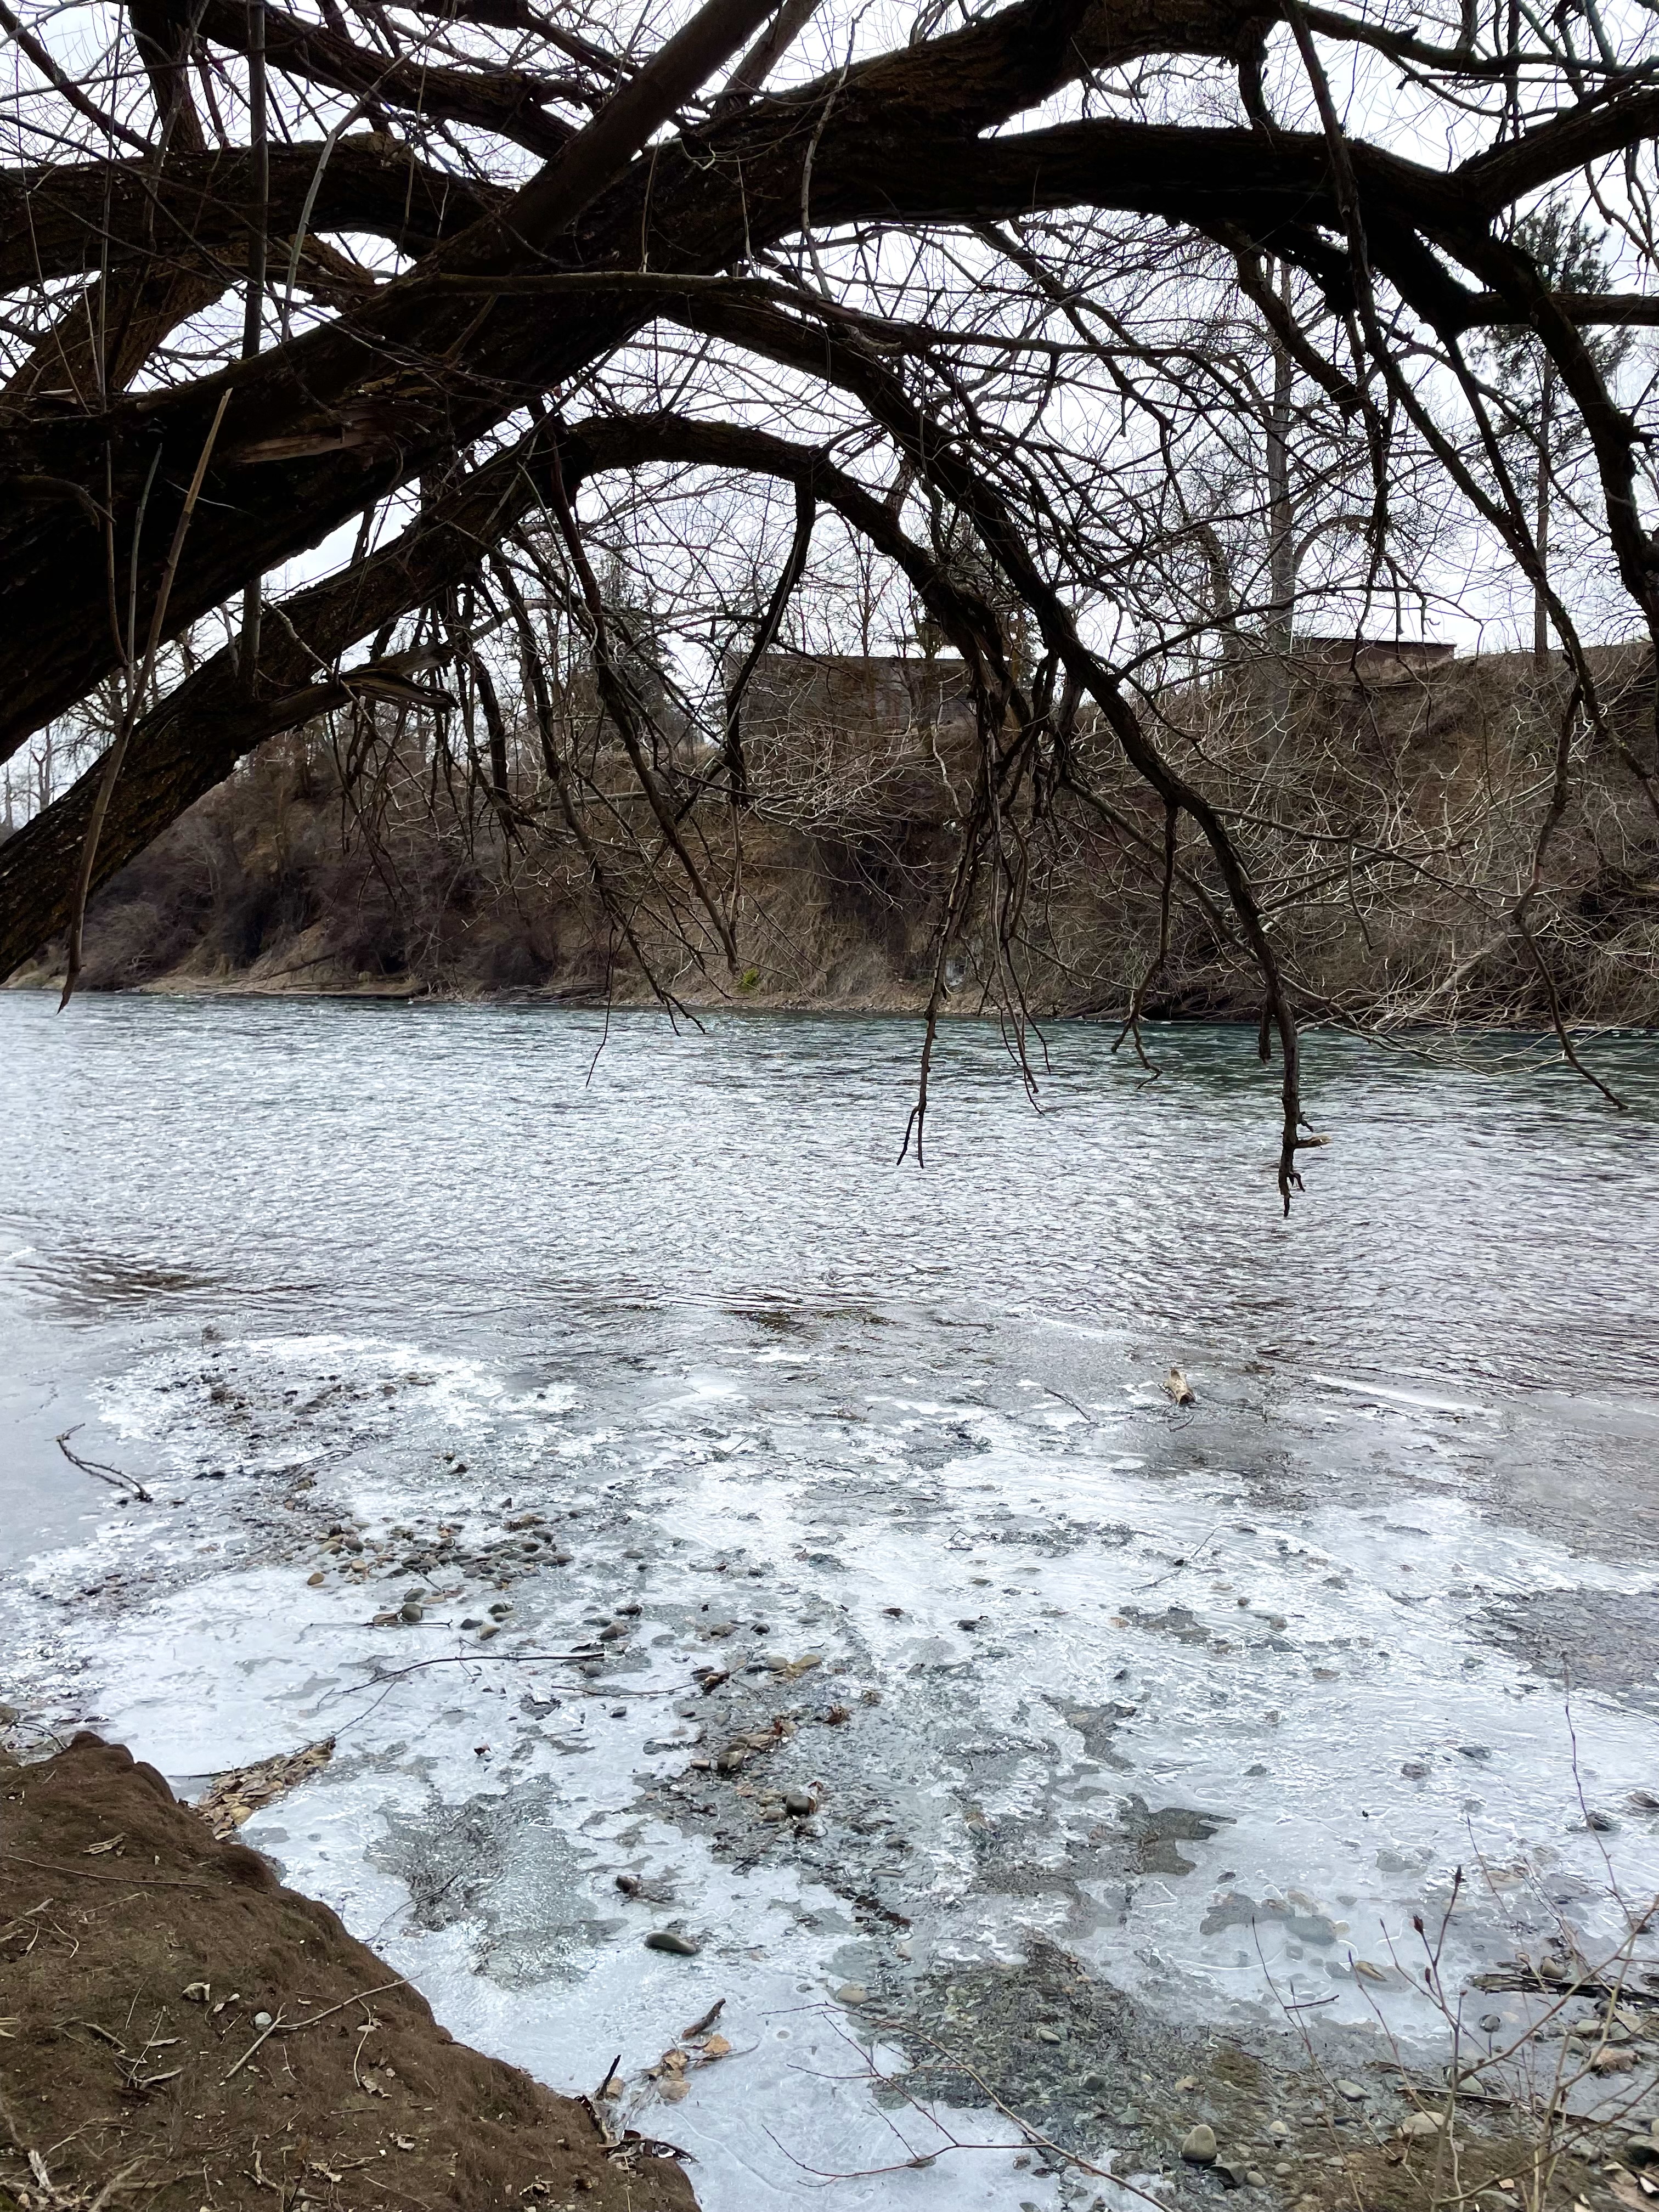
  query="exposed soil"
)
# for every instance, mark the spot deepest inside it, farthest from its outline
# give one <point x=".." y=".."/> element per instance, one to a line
<point x="140" y="1960"/>
<point x="402" y="884"/>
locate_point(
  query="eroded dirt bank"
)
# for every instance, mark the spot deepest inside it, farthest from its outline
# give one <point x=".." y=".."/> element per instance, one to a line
<point x="179" y="2030"/>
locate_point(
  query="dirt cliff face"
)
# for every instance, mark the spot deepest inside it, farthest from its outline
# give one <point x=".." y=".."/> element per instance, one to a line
<point x="179" y="2030"/>
<point x="1388" y="814"/>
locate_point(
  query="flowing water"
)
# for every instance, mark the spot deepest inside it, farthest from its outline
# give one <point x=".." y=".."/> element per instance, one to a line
<point x="804" y="1480"/>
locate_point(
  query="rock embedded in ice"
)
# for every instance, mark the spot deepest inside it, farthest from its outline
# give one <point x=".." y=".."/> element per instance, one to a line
<point x="670" y="1939"/>
<point x="852" y="1993"/>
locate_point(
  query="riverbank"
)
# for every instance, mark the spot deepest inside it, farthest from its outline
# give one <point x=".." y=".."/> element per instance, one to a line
<point x="830" y="896"/>
<point x="182" y="2029"/>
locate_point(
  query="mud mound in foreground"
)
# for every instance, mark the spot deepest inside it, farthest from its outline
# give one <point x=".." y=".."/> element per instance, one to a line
<point x="178" y="2031"/>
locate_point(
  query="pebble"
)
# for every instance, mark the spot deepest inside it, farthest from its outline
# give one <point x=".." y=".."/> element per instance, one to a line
<point x="1491" y="2023"/>
<point x="799" y="1802"/>
<point x="1255" y="2178"/>
<point x="1416" y="2126"/>
<point x="666" y="1939"/>
<point x="500" y="1609"/>
<point x="490" y="1628"/>
<point x="1198" y="2145"/>
<point x="1279" y="2130"/>
<point x="1049" y="2035"/>
<point x="1351" y="2091"/>
<point x="852" y="1993"/>
<point x="411" y="1613"/>
<point x="262" y="2020"/>
<point x="472" y="1621"/>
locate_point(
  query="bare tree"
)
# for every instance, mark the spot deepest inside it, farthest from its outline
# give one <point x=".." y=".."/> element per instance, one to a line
<point x="385" y="302"/>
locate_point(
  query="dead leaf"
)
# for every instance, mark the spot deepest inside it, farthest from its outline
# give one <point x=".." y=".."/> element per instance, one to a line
<point x="716" y="2046"/>
<point x="236" y="1796"/>
<point x="673" y="2089"/>
<point x="1367" y="1973"/>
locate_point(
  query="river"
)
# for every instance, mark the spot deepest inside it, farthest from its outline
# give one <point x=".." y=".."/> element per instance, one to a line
<point x="1107" y="1723"/>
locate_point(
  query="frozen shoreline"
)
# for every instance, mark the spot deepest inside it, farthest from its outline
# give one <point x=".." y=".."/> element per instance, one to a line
<point x="1083" y="1705"/>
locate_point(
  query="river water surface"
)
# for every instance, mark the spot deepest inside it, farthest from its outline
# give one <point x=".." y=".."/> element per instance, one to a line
<point x="804" y="1480"/>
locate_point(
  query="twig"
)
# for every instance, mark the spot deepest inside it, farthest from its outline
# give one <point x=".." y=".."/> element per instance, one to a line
<point x="293" y="2026"/>
<point x="1181" y="1563"/>
<point x="112" y="1475"/>
<point x="86" y="1873"/>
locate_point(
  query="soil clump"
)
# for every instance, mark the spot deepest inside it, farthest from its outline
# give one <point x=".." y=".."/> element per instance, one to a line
<point x="177" y="2030"/>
